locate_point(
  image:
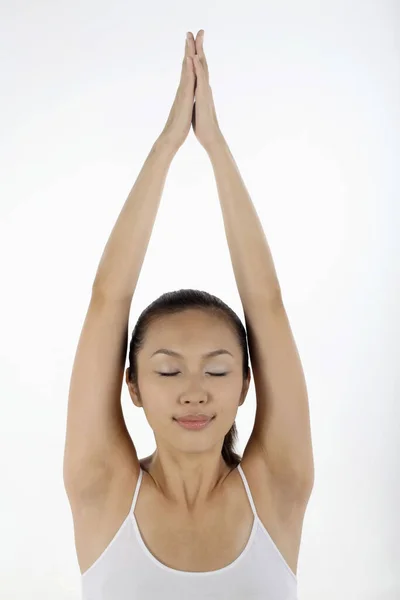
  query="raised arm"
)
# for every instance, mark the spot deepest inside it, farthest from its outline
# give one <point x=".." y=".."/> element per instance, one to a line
<point x="281" y="430"/>
<point x="124" y="253"/>
<point x="97" y="439"/>
<point x="281" y="437"/>
<point x="95" y="424"/>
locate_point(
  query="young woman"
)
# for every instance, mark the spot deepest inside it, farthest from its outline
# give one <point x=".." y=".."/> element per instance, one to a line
<point x="194" y="520"/>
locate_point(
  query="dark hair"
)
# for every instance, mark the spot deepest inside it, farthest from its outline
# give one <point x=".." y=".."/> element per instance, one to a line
<point x="178" y="301"/>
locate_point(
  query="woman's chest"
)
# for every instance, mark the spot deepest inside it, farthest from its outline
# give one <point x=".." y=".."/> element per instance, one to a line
<point x="209" y="541"/>
<point x="210" y="545"/>
<point x="218" y="536"/>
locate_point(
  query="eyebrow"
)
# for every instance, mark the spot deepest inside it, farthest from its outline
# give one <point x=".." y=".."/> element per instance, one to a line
<point x="207" y="355"/>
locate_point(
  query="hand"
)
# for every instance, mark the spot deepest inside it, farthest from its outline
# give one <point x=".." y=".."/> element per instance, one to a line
<point x="180" y="118"/>
<point x="204" y="121"/>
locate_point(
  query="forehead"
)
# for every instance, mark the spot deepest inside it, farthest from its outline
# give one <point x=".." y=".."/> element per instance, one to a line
<point x="191" y="327"/>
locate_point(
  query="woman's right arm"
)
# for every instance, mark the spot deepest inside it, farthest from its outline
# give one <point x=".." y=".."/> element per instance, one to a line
<point x="97" y="439"/>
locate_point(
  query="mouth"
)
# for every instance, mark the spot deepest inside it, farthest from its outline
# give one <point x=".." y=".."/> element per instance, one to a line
<point x="196" y="418"/>
<point x="197" y="424"/>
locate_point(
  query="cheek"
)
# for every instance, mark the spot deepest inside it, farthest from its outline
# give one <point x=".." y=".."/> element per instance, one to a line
<point x="157" y="400"/>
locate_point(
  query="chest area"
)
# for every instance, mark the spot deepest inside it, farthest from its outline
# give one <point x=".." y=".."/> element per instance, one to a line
<point x="208" y="541"/>
<point x="211" y="542"/>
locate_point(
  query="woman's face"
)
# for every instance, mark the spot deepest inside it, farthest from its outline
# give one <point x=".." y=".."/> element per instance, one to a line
<point x="192" y="382"/>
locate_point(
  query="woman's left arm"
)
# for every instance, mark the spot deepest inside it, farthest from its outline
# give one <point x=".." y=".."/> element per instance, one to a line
<point x="281" y="433"/>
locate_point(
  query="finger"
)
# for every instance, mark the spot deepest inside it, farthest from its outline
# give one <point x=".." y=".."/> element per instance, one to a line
<point x="190" y="47"/>
<point x="199" y="45"/>
<point x="200" y="42"/>
<point x="190" y="44"/>
<point x="200" y="49"/>
<point x="187" y="65"/>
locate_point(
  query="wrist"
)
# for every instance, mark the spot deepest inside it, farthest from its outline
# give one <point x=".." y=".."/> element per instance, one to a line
<point x="219" y="143"/>
<point x="165" y="147"/>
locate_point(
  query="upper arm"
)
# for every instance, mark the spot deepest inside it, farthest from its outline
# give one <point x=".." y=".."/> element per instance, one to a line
<point x="96" y="435"/>
<point x="282" y="422"/>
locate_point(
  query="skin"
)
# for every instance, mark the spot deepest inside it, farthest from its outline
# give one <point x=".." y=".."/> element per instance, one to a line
<point x="187" y="466"/>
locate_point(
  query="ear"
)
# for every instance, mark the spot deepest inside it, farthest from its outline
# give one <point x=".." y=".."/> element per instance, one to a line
<point x="132" y="390"/>
<point x="245" y="388"/>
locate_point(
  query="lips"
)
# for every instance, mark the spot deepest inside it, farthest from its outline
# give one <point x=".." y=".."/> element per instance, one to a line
<point x="191" y="419"/>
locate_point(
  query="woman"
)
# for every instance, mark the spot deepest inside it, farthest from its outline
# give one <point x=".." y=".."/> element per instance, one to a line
<point x="193" y="520"/>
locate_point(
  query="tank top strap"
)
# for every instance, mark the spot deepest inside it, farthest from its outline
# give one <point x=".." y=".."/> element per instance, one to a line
<point x="137" y="488"/>
<point x="246" y="485"/>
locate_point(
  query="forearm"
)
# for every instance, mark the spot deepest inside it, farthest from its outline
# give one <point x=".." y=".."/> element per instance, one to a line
<point x="123" y="256"/>
<point x="251" y="257"/>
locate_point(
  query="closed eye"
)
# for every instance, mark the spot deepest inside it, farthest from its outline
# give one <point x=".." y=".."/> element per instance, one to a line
<point x="171" y="374"/>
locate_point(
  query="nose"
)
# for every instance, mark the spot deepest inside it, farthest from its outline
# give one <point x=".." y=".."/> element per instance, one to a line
<point x="194" y="394"/>
<point x="194" y="398"/>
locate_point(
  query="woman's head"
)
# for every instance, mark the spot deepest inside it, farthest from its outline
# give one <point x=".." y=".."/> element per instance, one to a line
<point x="191" y="323"/>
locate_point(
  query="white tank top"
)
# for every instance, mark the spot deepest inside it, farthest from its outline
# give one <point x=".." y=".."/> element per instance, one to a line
<point x="127" y="570"/>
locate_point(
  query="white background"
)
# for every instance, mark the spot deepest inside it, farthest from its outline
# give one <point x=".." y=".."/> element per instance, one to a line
<point x="307" y="97"/>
